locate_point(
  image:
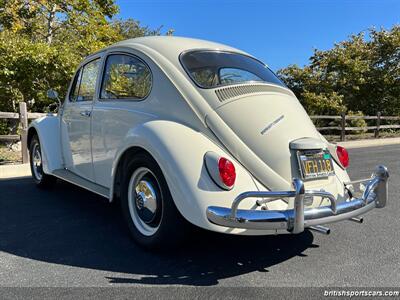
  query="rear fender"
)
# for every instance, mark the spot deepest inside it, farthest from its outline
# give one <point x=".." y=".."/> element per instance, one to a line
<point x="179" y="151"/>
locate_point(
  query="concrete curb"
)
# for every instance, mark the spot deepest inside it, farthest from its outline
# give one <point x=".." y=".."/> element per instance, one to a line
<point x="14" y="171"/>
<point x="370" y="143"/>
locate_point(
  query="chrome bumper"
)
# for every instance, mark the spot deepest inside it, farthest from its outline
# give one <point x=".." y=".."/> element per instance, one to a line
<point x="295" y="220"/>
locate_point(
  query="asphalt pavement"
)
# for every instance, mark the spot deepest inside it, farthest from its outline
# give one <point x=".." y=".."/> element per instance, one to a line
<point x="70" y="237"/>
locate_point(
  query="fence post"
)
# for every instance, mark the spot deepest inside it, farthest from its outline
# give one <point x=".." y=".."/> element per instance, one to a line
<point x="343" y="125"/>
<point x="23" y="119"/>
<point x="378" y="124"/>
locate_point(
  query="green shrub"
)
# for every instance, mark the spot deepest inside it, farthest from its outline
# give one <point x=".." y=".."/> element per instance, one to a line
<point x="357" y="122"/>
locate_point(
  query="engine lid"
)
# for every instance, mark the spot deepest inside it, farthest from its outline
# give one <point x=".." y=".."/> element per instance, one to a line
<point x="270" y="126"/>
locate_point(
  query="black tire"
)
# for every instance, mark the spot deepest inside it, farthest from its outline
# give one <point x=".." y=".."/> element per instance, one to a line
<point x="167" y="227"/>
<point x="41" y="179"/>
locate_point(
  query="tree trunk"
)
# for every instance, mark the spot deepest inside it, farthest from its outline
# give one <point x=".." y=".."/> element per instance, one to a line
<point x="51" y="24"/>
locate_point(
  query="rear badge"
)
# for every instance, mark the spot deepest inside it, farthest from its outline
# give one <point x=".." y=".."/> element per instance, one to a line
<point x="272" y="124"/>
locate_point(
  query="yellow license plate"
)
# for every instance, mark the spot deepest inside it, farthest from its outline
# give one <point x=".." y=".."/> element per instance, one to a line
<point x="315" y="164"/>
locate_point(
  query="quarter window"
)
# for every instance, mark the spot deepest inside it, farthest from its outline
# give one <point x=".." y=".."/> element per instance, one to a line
<point x="75" y="86"/>
<point x="84" y="86"/>
<point x="125" y="77"/>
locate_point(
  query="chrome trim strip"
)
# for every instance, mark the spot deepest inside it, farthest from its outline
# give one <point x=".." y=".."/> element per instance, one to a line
<point x="295" y="220"/>
<point x="272" y="124"/>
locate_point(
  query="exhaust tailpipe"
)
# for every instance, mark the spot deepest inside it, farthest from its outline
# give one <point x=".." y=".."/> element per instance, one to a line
<point x="320" y="229"/>
<point x="357" y="220"/>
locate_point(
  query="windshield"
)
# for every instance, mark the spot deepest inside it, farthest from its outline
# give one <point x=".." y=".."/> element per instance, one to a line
<point x="209" y="69"/>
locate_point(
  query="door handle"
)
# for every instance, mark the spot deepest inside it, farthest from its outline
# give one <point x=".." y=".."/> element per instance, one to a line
<point x="85" y="113"/>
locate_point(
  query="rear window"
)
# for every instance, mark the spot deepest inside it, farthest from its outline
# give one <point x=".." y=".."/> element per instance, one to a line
<point x="210" y="69"/>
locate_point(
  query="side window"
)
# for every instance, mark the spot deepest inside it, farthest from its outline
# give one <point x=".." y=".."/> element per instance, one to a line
<point x="84" y="85"/>
<point x="125" y="77"/>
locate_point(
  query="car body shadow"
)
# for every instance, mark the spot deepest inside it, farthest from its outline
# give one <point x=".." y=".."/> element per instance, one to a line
<point x="71" y="226"/>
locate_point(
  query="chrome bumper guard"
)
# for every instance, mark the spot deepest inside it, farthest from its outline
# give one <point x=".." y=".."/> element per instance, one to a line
<point x="295" y="220"/>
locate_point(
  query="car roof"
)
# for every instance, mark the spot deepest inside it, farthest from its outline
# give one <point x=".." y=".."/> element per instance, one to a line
<point x="172" y="46"/>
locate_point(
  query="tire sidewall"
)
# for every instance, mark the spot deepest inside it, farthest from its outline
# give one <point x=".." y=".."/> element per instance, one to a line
<point x="47" y="181"/>
<point x="167" y="232"/>
<point x="34" y="141"/>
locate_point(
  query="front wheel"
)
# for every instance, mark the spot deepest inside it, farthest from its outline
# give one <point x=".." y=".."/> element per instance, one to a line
<point x="41" y="179"/>
<point x="147" y="205"/>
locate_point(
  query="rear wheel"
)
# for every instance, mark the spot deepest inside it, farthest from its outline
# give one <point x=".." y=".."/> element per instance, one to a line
<point x="147" y="205"/>
<point x="41" y="179"/>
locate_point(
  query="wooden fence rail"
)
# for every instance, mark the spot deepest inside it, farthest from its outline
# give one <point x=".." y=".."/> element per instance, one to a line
<point x="343" y="128"/>
<point x="23" y="116"/>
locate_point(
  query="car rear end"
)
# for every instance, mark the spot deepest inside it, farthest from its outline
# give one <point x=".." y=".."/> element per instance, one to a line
<point x="265" y="128"/>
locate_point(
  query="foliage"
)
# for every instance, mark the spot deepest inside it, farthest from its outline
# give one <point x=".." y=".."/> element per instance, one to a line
<point x="323" y="103"/>
<point x="28" y="70"/>
<point x="43" y="41"/>
<point x="357" y="122"/>
<point x="359" y="74"/>
<point x="45" y="19"/>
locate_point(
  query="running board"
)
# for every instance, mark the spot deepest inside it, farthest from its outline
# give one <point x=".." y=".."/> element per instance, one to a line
<point x="81" y="182"/>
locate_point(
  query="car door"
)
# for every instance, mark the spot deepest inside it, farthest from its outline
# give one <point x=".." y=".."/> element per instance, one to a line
<point x="76" y="121"/>
<point x="126" y="82"/>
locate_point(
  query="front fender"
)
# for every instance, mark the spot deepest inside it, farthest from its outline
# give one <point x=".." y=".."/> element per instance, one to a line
<point x="179" y="151"/>
<point x="48" y="131"/>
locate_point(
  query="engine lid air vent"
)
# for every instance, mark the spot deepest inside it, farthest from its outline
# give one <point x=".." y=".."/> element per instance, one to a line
<point x="230" y="92"/>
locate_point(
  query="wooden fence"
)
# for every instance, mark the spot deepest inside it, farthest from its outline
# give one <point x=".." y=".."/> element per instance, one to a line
<point x="343" y="123"/>
<point x="23" y="116"/>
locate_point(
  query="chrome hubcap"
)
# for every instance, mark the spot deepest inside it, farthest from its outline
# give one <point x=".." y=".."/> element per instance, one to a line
<point x="145" y="201"/>
<point x="37" y="165"/>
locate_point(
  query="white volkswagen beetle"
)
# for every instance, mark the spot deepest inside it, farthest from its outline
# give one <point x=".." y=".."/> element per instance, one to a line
<point x="188" y="131"/>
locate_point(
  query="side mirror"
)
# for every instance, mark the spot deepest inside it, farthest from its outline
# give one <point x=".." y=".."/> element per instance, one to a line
<point x="52" y="94"/>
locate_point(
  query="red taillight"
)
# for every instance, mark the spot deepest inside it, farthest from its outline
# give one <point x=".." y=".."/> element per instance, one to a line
<point x="227" y="171"/>
<point x="343" y="156"/>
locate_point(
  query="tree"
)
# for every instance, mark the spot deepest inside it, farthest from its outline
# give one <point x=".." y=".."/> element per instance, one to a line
<point x="42" y="19"/>
<point x="358" y="74"/>
<point x="43" y="41"/>
<point x="130" y="28"/>
<point x="28" y="70"/>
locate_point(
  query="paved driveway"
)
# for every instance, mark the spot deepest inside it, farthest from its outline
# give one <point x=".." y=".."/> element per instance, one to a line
<point x="71" y="237"/>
